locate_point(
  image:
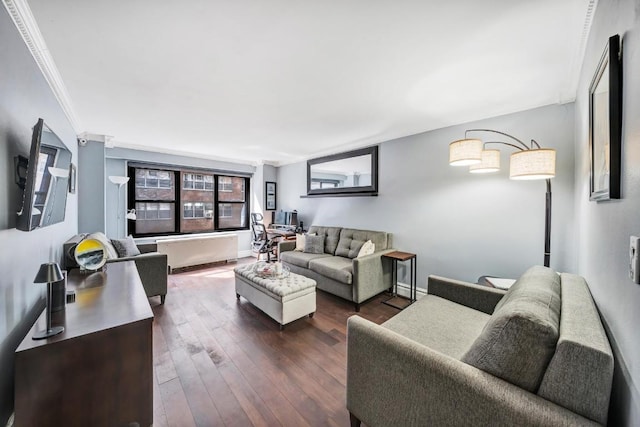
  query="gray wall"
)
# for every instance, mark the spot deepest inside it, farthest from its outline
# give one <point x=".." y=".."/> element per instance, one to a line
<point x="460" y="225"/>
<point x="603" y="229"/>
<point x="91" y="172"/>
<point x="24" y="97"/>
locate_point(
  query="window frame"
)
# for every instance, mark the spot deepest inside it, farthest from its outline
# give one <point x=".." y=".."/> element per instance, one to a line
<point x="178" y="201"/>
<point x="217" y="202"/>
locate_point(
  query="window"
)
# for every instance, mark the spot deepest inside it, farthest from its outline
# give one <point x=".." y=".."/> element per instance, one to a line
<point x="225" y="183"/>
<point x="180" y="201"/>
<point x="154" y="199"/>
<point x="323" y="183"/>
<point x="151" y="178"/>
<point x="233" y="202"/>
<point x="193" y="181"/>
<point x="197" y="210"/>
<point x="226" y="210"/>
<point x="153" y="211"/>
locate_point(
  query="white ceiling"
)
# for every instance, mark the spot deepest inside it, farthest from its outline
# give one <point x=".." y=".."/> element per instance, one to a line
<point x="278" y="81"/>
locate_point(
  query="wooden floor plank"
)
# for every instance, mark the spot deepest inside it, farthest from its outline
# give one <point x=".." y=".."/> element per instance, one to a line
<point x="230" y="410"/>
<point x="222" y="361"/>
<point x="175" y="404"/>
<point x="200" y="402"/>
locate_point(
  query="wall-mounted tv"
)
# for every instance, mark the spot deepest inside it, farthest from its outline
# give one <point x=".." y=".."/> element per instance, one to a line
<point x="46" y="183"/>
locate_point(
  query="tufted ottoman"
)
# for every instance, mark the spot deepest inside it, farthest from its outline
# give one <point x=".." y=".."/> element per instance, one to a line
<point x="284" y="299"/>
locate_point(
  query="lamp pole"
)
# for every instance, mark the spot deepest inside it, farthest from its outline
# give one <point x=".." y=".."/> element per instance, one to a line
<point x="119" y="181"/>
<point x="547" y="225"/>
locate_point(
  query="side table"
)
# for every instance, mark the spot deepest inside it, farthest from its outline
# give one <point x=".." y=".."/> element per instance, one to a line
<point x="396" y="299"/>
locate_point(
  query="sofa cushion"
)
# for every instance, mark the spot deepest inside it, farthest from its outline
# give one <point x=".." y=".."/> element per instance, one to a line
<point x="300" y="241"/>
<point x="380" y="239"/>
<point x="331" y="237"/>
<point x="439" y="324"/>
<point x="314" y="244"/>
<point x="300" y="259"/>
<point x="581" y="370"/>
<point x="334" y="267"/>
<point x="125" y="247"/>
<point x="520" y="338"/>
<point x="348" y="247"/>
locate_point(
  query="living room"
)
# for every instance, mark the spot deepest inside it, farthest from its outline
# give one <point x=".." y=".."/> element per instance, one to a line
<point x="460" y="225"/>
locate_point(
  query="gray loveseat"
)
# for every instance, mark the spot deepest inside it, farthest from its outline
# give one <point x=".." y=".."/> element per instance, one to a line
<point x="354" y="279"/>
<point x="465" y="354"/>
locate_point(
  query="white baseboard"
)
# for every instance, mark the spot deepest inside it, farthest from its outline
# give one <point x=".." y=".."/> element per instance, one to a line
<point x="404" y="290"/>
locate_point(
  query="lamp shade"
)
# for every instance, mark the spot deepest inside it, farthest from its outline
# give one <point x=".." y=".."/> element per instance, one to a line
<point x="533" y="164"/>
<point x="490" y="162"/>
<point x="118" y="180"/>
<point x="465" y="152"/>
<point x="49" y="273"/>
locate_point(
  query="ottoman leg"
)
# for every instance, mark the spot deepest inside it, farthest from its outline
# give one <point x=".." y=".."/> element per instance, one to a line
<point x="237" y="295"/>
<point x="311" y="314"/>
<point x="282" y="327"/>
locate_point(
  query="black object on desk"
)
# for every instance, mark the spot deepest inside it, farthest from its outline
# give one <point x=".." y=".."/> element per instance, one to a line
<point x="397" y="301"/>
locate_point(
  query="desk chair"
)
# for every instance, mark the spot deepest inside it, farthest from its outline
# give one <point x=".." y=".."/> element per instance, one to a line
<point x="262" y="242"/>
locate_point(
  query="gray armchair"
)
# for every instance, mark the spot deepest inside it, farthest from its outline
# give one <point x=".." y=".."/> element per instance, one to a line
<point x="152" y="268"/>
<point x="151" y="265"/>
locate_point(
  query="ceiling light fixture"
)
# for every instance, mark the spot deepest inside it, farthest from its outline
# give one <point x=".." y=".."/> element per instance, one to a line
<point x="529" y="162"/>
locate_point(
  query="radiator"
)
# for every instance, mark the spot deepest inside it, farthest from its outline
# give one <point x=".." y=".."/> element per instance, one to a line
<point x="190" y="251"/>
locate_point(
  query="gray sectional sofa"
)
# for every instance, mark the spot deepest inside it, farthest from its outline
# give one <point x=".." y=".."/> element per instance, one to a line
<point x="465" y="354"/>
<point x="354" y="279"/>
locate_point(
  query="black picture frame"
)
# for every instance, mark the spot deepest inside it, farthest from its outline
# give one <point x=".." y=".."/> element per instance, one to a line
<point x="270" y="196"/>
<point x="605" y="124"/>
<point x="365" y="190"/>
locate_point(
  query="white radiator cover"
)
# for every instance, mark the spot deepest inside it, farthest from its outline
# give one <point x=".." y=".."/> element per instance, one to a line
<point x="190" y="251"/>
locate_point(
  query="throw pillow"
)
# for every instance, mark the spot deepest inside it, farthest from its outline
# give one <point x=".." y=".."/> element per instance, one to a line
<point x="314" y="244"/>
<point x="521" y="336"/>
<point x="300" y="240"/>
<point x="126" y="247"/>
<point x="367" y="249"/>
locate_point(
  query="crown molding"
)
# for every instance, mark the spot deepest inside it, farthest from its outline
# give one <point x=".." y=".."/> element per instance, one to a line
<point x="26" y="24"/>
<point x="573" y="76"/>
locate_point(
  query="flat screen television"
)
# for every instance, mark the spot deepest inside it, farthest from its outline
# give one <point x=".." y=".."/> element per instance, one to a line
<point x="46" y="182"/>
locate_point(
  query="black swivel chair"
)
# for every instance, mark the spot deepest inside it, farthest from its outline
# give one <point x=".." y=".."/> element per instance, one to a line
<point x="262" y="242"/>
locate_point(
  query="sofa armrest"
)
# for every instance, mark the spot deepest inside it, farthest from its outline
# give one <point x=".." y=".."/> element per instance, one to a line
<point x="475" y="296"/>
<point x="392" y="380"/>
<point x="371" y="275"/>
<point x="286" y="245"/>
<point x="152" y="268"/>
<point x="146" y="248"/>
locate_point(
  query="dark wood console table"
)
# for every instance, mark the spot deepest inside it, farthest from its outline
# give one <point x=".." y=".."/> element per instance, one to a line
<point x="99" y="371"/>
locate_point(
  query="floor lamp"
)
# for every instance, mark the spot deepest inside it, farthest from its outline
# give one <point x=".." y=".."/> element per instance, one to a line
<point x="120" y="181"/>
<point x="529" y="162"/>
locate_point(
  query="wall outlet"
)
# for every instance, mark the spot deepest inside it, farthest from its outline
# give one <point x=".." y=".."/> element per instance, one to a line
<point x="634" y="259"/>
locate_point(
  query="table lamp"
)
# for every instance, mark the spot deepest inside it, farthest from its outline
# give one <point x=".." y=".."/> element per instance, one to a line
<point x="48" y="273"/>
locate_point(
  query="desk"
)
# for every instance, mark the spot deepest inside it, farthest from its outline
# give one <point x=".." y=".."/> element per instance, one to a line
<point x="395" y="299"/>
<point x="99" y="371"/>
<point x="279" y="232"/>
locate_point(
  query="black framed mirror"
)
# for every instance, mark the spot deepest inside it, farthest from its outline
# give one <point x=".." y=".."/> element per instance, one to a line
<point x="354" y="173"/>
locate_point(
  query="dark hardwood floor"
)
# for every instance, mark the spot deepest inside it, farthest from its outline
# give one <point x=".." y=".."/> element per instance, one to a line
<point x="220" y="361"/>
